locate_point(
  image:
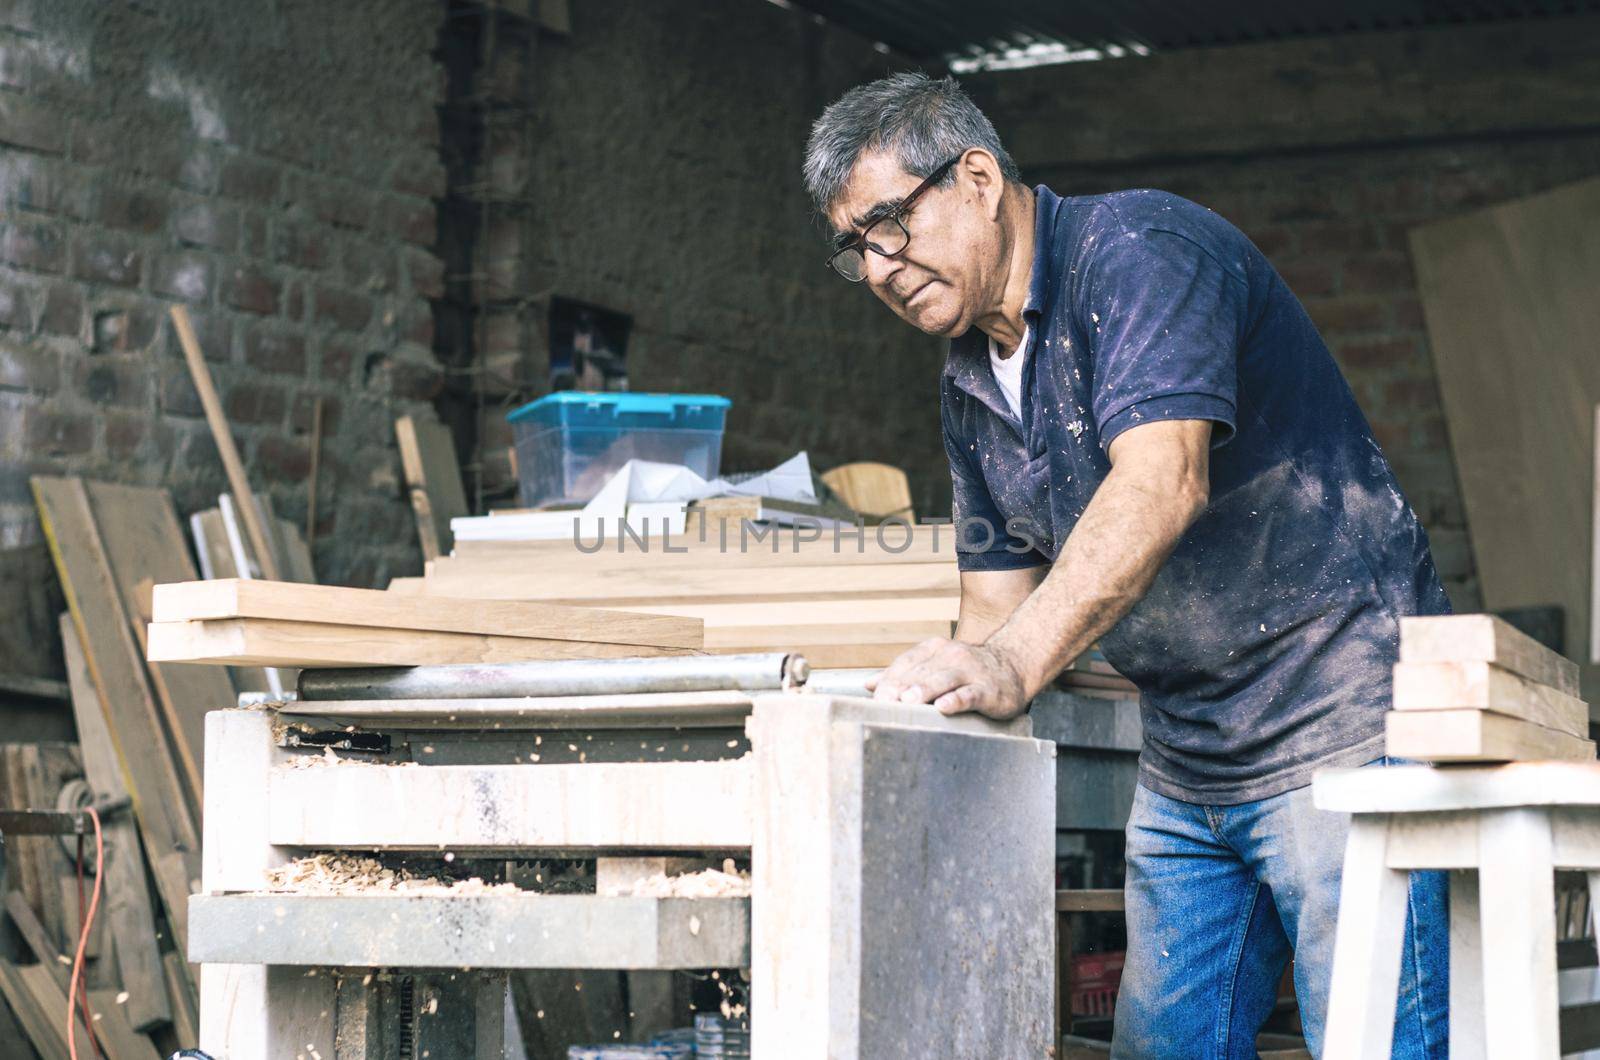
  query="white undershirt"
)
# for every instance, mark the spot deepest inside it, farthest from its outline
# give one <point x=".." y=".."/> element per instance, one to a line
<point x="1008" y="370"/>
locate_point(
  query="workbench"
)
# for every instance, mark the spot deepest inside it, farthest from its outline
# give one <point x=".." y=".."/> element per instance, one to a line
<point x="902" y="868"/>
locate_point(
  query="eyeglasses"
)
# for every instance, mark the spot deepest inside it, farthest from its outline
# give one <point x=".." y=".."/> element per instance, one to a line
<point x="887" y="236"/>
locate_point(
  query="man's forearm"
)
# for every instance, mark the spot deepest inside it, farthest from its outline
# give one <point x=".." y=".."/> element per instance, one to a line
<point x="1107" y="564"/>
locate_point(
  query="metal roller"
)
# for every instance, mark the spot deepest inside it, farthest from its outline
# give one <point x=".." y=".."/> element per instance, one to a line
<point x="572" y="677"/>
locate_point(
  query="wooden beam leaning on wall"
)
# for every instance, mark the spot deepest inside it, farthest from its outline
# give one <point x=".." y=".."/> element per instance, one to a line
<point x="433" y="479"/>
<point x="1470" y="688"/>
<point x="254" y="523"/>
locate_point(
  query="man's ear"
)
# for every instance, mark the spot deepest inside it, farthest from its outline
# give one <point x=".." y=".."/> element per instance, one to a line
<point x="982" y="169"/>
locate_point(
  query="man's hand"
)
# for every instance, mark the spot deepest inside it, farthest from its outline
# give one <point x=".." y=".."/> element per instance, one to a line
<point x="955" y="677"/>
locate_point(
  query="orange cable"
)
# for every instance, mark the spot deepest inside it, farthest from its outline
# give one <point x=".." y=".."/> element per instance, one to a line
<point x="75" y="984"/>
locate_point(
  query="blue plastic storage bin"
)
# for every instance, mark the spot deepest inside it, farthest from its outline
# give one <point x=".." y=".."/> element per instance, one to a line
<point x="571" y="442"/>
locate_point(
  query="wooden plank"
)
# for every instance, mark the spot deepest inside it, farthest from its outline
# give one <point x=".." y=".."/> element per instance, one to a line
<point x="613" y="587"/>
<point x="758" y="614"/>
<point x="433" y="475"/>
<point x="181" y="996"/>
<point x="1594" y="555"/>
<point x="144" y="543"/>
<point x="27" y="990"/>
<point x="622" y="805"/>
<point x="255" y="525"/>
<point x="111" y="1027"/>
<point x="48" y="861"/>
<point x="1450" y="686"/>
<point x="1485" y="638"/>
<point x="216" y="561"/>
<point x="335" y="605"/>
<point x="126" y="902"/>
<point x="25" y="854"/>
<point x="835" y="656"/>
<point x="1508" y="295"/>
<point x="1477" y="736"/>
<point x="743" y="639"/>
<point x="273" y="642"/>
<point x="116" y="665"/>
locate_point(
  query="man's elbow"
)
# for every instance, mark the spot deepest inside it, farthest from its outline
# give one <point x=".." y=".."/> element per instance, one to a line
<point x="1191" y="494"/>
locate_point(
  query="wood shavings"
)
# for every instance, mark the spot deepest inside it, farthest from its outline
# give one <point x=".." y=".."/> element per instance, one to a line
<point x="345" y="874"/>
<point x="708" y="883"/>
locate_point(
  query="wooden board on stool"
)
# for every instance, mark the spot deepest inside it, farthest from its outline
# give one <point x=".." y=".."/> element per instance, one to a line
<point x="1485" y="638"/>
<point x="1483" y="686"/>
<point x="1477" y="736"/>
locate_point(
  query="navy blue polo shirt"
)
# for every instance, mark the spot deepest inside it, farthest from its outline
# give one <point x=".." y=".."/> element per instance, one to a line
<point x="1264" y="648"/>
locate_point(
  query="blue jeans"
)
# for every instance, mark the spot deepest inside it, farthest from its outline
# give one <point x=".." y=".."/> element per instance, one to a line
<point x="1219" y="896"/>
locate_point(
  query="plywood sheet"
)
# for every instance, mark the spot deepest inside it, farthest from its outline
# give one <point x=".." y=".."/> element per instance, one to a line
<point x="1514" y="323"/>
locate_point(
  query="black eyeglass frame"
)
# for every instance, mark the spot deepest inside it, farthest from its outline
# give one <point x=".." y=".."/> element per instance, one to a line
<point x="861" y="244"/>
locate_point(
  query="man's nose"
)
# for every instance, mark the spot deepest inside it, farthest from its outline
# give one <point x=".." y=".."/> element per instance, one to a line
<point x="881" y="270"/>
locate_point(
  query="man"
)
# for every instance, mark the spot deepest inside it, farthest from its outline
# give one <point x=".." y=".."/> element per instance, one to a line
<point x="1152" y="448"/>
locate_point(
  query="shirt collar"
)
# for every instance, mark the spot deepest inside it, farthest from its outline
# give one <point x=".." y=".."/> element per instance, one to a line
<point x="967" y="364"/>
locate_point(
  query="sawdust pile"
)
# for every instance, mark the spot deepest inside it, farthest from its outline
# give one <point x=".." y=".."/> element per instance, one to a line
<point x="345" y="874"/>
<point x="728" y="882"/>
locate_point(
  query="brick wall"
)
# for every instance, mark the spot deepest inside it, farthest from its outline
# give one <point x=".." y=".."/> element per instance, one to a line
<point x="274" y="167"/>
<point x="664" y="181"/>
<point x="1326" y="153"/>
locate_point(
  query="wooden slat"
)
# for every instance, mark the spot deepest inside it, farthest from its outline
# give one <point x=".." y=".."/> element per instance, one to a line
<point x="115" y="663"/>
<point x="272" y="642"/>
<point x="340" y="606"/>
<point x="1509" y="297"/>
<point x="48" y="862"/>
<point x="181" y="996"/>
<point x="1477" y="736"/>
<point x="126" y="903"/>
<point x="222" y="434"/>
<point x="1485" y="638"/>
<point x="758" y="614"/>
<point x="1449" y="686"/>
<point x="145" y="544"/>
<point x="613" y="587"/>
<point x="433" y="475"/>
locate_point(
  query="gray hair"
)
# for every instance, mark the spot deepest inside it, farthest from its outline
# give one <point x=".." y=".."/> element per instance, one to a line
<point x="926" y="123"/>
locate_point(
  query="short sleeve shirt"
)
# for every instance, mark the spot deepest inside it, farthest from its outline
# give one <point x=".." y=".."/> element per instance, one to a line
<point x="1263" y="649"/>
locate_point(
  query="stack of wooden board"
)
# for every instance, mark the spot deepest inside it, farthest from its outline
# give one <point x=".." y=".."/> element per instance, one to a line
<point x="1470" y="688"/>
<point x="259" y="623"/>
<point x="843" y="603"/>
<point x="140" y="735"/>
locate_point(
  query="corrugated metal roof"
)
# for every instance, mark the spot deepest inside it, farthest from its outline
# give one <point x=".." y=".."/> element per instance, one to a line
<point x="961" y="29"/>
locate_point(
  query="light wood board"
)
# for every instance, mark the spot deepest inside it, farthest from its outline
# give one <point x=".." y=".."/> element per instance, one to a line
<point x="1485" y="638"/>
<point x="433" y="475"/>
<point x="145" y="544"/>
<point x="1514" y="325"/>
<point x="705" y="586"/>
<point x="1450" y="686"/>
<point x="335" y="605"/>
<point x="1477" y="736"/>
<point x="272" y="642"/>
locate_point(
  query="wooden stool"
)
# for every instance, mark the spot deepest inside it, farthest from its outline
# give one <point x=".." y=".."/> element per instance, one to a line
<point x="1502" y="831"/>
